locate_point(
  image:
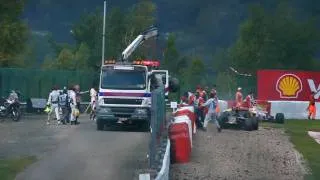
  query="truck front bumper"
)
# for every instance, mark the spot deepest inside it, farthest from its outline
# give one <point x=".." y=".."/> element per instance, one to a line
<point x="126" y="114"/>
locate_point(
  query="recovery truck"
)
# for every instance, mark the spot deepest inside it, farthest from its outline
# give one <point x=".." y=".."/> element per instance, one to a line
<point x="125" y="88"/>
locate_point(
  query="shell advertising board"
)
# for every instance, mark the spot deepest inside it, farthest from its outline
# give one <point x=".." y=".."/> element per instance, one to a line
<point x="284" y="85"/>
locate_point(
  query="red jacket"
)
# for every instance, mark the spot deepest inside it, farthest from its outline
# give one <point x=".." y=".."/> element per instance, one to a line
<point x="238" y="98"/>
<point x="248" y="102"/>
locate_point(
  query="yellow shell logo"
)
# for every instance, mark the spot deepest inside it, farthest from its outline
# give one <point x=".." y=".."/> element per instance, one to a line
<point x="289" y="86"/>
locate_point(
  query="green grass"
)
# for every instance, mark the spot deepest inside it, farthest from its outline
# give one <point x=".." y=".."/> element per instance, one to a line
<point x="307" y="146"/>
<point x="271" y="125"/>
<point x="9" y="168"/>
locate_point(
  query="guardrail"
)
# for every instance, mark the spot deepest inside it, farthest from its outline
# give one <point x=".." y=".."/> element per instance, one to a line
<point x="159" y="131"/>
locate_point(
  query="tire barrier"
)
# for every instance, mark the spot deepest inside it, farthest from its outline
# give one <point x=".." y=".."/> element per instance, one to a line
<point x="181" y="132"/>
<point x="191" y="116"/>
<point x="180" y="141"/>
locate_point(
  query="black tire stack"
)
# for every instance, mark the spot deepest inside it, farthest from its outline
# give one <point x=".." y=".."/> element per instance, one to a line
<point x="279" y="118"/>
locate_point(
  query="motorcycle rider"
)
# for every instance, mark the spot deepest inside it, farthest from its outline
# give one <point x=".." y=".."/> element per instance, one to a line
<point x="211" y="103"/>
<point x="13" y="96"/>
<point x="53" y="102"/>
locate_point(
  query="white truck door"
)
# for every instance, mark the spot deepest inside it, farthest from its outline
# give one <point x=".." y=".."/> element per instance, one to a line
<point x="165" y="79"/>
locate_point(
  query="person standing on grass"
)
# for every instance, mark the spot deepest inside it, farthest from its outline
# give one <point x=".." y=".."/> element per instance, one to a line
<point x="312" y="107"/>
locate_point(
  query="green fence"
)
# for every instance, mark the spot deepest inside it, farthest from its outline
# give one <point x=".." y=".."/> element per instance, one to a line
<point x="158" y="124"/>
<point x="34" y="83"/>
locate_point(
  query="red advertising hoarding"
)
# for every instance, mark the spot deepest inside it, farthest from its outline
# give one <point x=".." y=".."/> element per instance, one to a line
<point x="283" y="85"/>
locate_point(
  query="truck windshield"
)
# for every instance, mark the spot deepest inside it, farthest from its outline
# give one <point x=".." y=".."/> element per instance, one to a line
<point x="123" y="79"/>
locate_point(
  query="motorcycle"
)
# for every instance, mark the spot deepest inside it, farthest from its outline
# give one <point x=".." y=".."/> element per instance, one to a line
<point x="10" y="107"/>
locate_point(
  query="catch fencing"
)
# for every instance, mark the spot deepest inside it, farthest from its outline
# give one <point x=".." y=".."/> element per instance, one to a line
<point x="159" y="129"/>
<point x="37" y="83"/>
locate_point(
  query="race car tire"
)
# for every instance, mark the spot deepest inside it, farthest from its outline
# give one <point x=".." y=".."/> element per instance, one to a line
<point x="279" y="118"/>
<point x="100" y="125"/>
<point x="246" y="114"/>
<point x="255" y="123"/>
<point x="223" y="118"/>
<point x="248" y="124"/>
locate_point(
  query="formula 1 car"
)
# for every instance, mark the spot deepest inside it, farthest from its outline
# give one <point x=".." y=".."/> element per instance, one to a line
<point x="264" y="115"/>
<point x="247" y="118"/>
<point x="240" y="117"/>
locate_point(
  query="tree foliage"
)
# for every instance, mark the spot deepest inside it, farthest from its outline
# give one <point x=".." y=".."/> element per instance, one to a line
<point x="13" y="33"/>
<point x="121" y="28"/>
<point x="276" y="40"/>
<point x="69" y="59"/>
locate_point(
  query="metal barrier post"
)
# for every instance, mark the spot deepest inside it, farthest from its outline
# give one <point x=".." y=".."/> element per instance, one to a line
<point x="158" y="125"/>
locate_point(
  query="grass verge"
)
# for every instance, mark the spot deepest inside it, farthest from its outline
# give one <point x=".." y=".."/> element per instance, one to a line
<point x="307" y="146"/>
<point x="9" y="168"/>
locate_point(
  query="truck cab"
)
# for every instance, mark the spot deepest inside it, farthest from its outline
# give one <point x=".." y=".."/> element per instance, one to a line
<point x="125" y="92"/>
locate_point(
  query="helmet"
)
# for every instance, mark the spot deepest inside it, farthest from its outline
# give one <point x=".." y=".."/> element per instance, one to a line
<point x="48" y="109"/>
<point x="76" y="112"/>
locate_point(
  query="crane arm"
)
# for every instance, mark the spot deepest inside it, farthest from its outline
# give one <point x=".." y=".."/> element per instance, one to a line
<point x="152" y="32"/>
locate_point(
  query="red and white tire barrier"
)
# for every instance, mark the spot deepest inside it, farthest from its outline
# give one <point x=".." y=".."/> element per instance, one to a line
<point x="181" y="132"/>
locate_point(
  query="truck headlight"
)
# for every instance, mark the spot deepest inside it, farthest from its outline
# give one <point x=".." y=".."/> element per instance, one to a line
<point x="104" y="109"/>
<point x="146" y="102"/>
<point x="101" y="101"/>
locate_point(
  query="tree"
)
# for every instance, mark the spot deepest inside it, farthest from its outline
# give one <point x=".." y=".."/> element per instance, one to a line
<point x="226" y="85"/>
<point x="65" y="60"/>
<point x="81" y="57"/>
<point x="89" y="31"/>
<point x="193" y="75"/>
<point x="69" y="59"/>
<point x="171" y="55"/>
<point x="278" y="40"/>
<point x="48" y="63"/>
<point x="115" y="32"/>
<point x="221" y="60"/>
<point x="140" y="17"/>
<point x="13" y="32"/>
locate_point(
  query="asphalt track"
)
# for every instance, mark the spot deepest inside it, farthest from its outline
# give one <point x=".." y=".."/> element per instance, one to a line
<point x="74" y="152"/>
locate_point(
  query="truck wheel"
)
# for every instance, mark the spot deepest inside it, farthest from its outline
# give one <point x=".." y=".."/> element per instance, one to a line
<point x="280" y="118"/>
<point x="248" y="124"/>
<point x="255" y="123"/>
<point x="100" y="125"/>
<point x="145" y="126"/>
